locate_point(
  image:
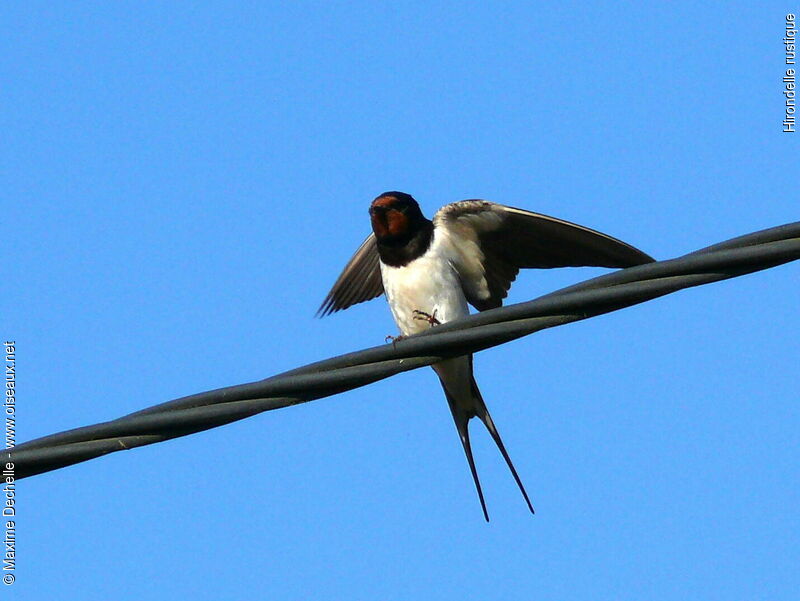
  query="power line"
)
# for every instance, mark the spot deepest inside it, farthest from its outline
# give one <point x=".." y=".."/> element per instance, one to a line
<point x="610" y="292"/>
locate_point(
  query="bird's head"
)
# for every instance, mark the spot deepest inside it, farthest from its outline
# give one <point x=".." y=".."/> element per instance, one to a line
<point x="395" y="216"/>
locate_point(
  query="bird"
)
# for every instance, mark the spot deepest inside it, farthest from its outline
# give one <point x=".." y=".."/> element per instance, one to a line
<point x="469" y="253"/>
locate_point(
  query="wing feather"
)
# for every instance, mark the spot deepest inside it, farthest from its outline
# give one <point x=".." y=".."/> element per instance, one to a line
<point x="359" y="281"/>
<point x="506" y="239"/>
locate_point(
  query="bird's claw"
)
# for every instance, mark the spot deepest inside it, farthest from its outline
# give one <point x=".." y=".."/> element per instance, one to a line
<point x="422" y="316"/>
<point x="394" y="339"/>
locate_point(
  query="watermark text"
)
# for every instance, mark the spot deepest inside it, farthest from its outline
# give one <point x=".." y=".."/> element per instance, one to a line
<point x="789" y="83"/>
<point x="8" y="499"/>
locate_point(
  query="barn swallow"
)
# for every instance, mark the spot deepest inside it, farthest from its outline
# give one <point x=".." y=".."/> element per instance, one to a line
<point x="469" y="253"/>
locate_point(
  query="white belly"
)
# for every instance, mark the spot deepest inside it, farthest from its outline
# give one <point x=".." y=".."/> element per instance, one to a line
<point x="429" y="284"/>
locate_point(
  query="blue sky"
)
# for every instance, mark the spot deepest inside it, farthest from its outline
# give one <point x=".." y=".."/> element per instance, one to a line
<point x="183" y="183"/>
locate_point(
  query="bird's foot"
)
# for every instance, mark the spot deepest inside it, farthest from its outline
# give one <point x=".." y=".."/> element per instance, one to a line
<point x="422" y="316"/>
<point x="394" y="339"/>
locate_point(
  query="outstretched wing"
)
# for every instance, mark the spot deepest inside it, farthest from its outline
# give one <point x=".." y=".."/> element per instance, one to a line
<point x="493" y="242"/>
<point x="360" y="281"/>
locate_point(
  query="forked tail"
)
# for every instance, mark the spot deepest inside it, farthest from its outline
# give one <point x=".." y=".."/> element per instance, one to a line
<point x="463" y="409"/>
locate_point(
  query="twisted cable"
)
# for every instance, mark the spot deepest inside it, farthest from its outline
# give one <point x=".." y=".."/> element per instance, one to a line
<point x="610" y="292"/>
